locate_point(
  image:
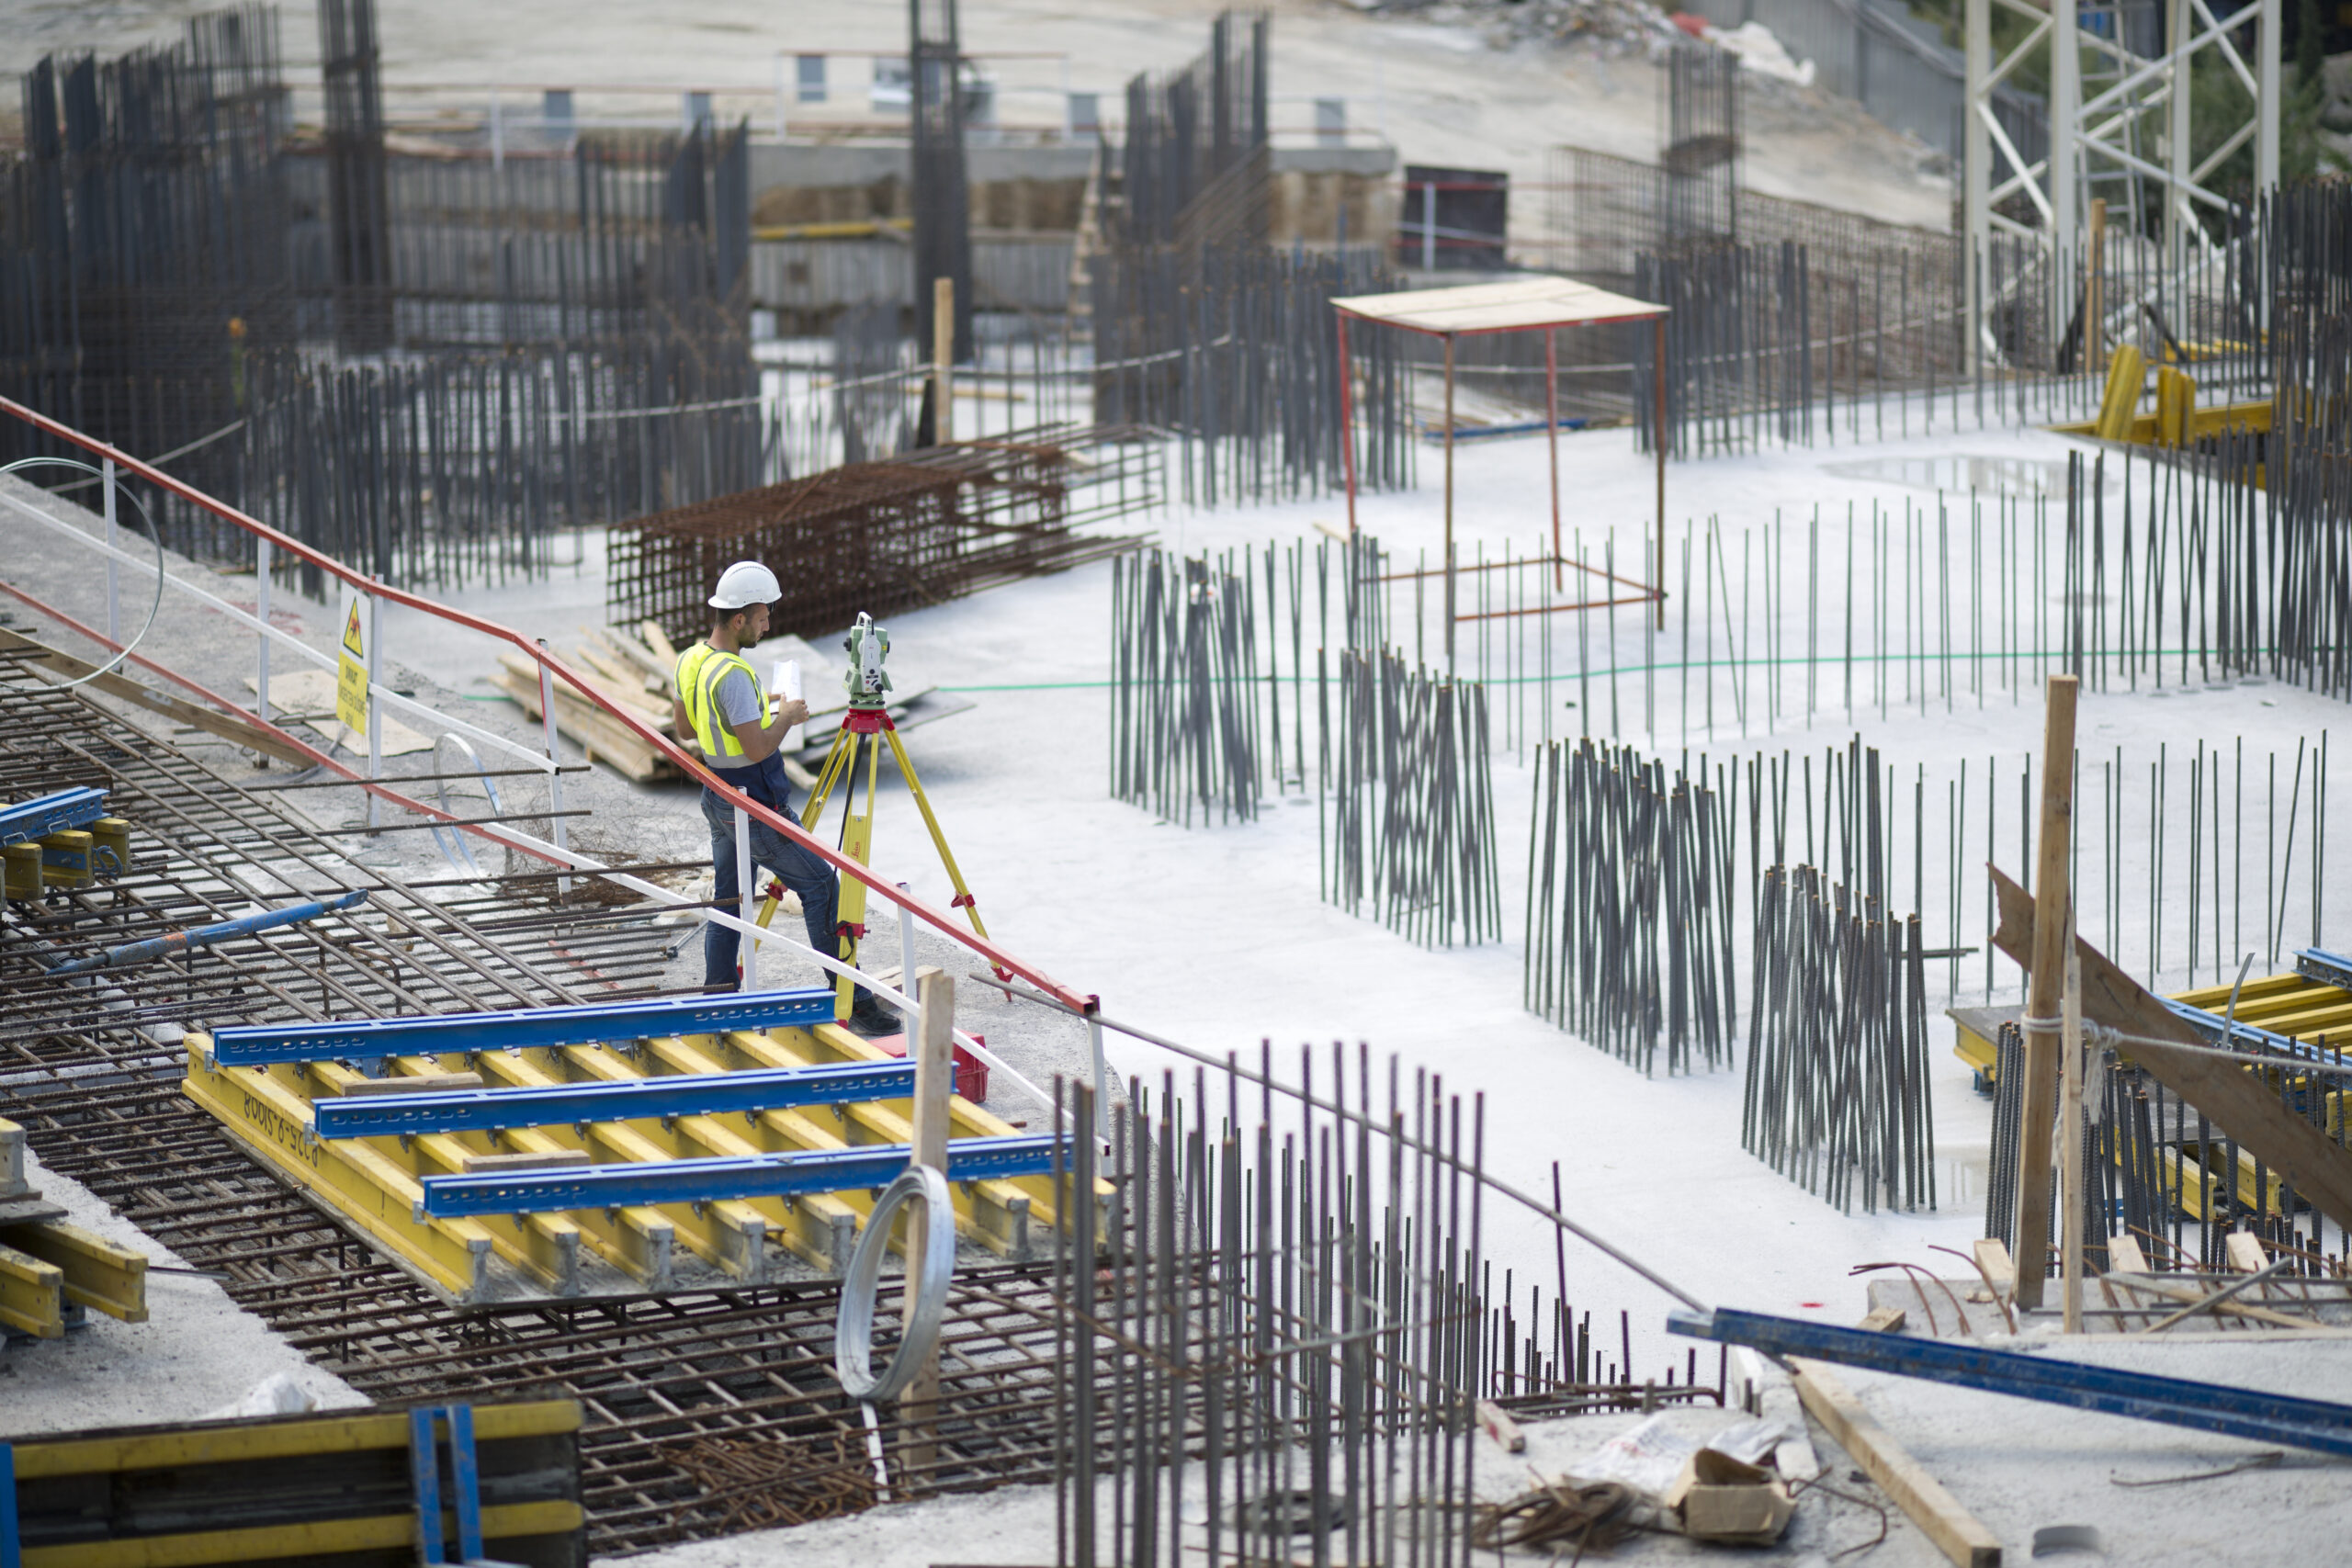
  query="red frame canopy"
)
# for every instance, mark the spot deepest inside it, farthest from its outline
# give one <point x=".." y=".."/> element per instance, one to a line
<point x="1520" y="305"/>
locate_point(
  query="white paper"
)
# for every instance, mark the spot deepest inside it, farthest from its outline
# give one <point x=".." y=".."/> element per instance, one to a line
<point x="786" y="682"/>
<point x="1649" y="1458"/>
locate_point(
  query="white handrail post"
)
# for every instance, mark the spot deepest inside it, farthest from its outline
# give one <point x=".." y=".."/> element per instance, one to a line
<point x="555" y="765"/>
<point x="114" y="599"/>
<point x="377" y="665"/>
<point x="748" y="942"/>
<point x="1102" y="1080"/>
<point x="912" y="1020"/>
<point x="261" y="614"/>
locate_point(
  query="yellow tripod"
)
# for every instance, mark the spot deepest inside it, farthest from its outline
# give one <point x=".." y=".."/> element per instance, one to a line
<point x="865" y="730"/>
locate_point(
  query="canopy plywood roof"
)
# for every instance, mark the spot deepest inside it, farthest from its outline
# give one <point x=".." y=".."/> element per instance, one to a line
<point x="1525" y="304"/>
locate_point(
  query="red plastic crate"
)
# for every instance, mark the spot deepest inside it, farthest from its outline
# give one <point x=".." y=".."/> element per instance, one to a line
<point x="971" y="1073"/>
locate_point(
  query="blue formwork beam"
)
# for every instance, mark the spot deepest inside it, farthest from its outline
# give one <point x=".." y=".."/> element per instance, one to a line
<point x="55" y="813"/>
<point x="2328" y="968"/>
<point x="794" y="1174"/>
<point x="557" y="1105"/>
<point x="258" y="1045"/>
<point x="2177" y="1401"/>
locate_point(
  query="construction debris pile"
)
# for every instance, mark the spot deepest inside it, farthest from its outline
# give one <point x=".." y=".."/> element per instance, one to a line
<point x="1621" y="27"/>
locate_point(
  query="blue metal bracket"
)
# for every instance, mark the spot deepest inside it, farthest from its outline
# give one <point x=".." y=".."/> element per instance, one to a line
<point x="259" y="1045"/>
<point x="47" y="813"/>
<point x="626" y="1184"/>
<point x="2206" y="1407"/>
<point x="11" y="1553"/>
<point x="2328" y="968"/>
<point x="557" y="1105"/>
<point x="465" y="1484"/>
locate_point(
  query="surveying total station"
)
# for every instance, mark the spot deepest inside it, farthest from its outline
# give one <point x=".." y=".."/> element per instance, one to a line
<point x="864" y="732"/>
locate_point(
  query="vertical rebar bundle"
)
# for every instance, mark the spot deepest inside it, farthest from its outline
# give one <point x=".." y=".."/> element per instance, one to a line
<point x="2157" y="1171"/>
<point x="942" y="192"/>
<point x="1700" y="150"/>
<point x="1276" y="1320"/>
<point x="1233" y="350"/>
<point x="1184" y="729"/>
<point x="1195" y="168"/>
<point x="520" y="347"/>
<point x="358" y="195"/>
<point x="1838" y="1098"/>
<point x="1629" y="907"/>
<point x="1412" y="827"/>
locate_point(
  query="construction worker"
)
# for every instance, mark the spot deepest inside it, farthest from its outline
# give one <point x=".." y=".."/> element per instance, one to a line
<point x="720" y="703"/>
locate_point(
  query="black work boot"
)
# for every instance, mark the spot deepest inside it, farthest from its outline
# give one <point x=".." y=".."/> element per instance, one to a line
<point x="870" y="1018"/>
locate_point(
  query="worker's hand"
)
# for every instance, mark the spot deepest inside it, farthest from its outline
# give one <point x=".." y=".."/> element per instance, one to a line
<point x="790" y="711"/>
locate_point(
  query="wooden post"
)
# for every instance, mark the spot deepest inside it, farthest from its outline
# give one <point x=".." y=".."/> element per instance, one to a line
<point x="1449" y="503"/>
<point x="2094" y="301"/>
<point x="2045" y="988"/>
<point x="1659" y="429"/>
<point x="943" y="360"/>
<point x="935" y="1056"/>
<point x="2070" y="1140"/>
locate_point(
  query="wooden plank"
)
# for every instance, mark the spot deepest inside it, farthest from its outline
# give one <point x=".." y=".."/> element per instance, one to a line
<point x="658" y="642"/>
<point x="262" y="1543"/>
<point x="415" y="1083"/>
<point x="1992" y="1257"/>
<point x="631" y="651"/>
<point x="2231" y="1098"/>
<point x="227" y="1442"/>
<point x="2156" y="1285"/>
<point x="604" y="739"/>
<point x="2046" y="981"/>
<point x="1923" y="1499"/>
<point x="2245" y="1249"/>
<point x="524" y="1159"/>
<point x="1884" y="1320"/>
<point x="1502" y="1428"/>
<point x="2124" y="1256"/>
<point x="194" y="714"/>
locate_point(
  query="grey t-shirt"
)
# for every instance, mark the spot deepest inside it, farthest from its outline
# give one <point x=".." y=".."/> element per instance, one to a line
<point x="738" y="702"/>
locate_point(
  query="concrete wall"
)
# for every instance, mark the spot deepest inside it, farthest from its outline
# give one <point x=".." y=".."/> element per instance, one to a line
<point x="814" y="278"/>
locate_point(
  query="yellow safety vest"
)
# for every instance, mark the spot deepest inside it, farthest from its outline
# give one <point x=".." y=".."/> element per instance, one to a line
<point x="700" y="669"/>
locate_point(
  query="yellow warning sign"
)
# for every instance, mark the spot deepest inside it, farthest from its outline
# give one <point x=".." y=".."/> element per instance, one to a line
<point x="351" y="669"/>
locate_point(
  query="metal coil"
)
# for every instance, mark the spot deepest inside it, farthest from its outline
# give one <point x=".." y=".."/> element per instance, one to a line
<point x="854" y="1327"/>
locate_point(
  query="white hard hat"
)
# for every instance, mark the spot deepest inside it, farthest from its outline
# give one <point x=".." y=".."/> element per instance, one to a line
<point x="744" y="583"/>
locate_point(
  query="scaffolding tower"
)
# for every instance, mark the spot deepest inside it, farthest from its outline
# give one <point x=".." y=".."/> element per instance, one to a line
<point x="2122" y="126"/>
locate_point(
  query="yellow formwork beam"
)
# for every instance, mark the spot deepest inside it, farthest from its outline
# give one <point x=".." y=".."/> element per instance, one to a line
<point x="2197" y="1186"/>
<point x="268" y="1109"/>
<point x="32" y="1295"/>
<point x="374" y="1192"/>
<point x="640" y="1242"/>
<point x="821" y="1227"/>
<point x="97" y="1273"/>
<point x="230" y="1442"/>
<point x="264" y="1543"/>
<point x="1000" y="1211"/>
<point x="732" y="1234"/>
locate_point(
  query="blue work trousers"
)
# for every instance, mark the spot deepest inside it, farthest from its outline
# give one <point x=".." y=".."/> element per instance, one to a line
<point x="805" y="874"/>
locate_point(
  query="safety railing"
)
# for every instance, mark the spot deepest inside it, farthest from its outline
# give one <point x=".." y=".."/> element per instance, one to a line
<point x="111" y="464"/>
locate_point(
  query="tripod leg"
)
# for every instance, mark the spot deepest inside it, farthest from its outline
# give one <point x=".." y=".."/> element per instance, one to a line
<point x="938" y="839"/>
<point x="838" y="760"/>
<point x="857" y="843"/>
